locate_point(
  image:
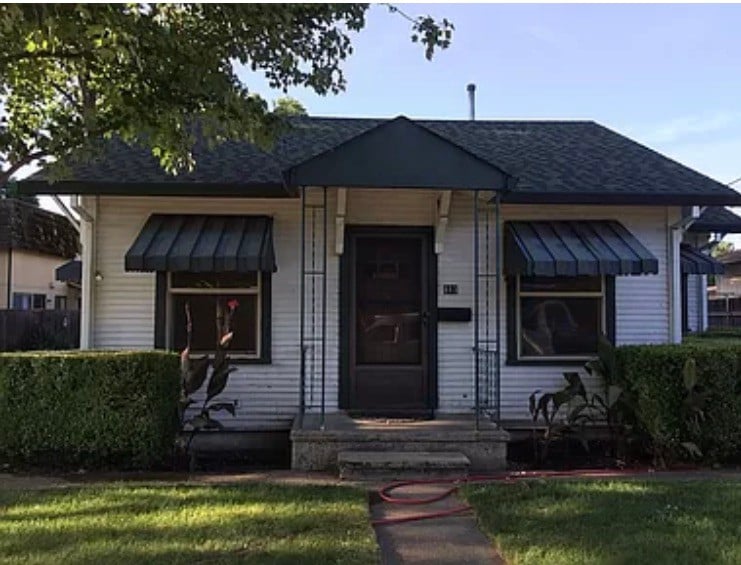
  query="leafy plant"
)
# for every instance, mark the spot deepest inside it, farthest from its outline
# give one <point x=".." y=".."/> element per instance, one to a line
<point x="547" y="407"/>
<point x="194" y="374"/>
<point x="585" y="408"/>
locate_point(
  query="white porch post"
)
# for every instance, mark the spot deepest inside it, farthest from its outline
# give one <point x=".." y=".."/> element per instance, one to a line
<point x="675" y="295"/>
<point x="87" y="240"/>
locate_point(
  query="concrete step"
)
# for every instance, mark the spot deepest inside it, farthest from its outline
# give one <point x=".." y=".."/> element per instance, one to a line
<point x="396" y="465"/>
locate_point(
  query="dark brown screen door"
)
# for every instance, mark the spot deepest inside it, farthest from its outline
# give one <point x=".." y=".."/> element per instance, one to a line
<point x="389" y="323"/>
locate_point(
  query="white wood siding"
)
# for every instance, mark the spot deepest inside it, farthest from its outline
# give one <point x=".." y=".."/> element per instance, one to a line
<point x="268" y="394"/>
<point x="642" y="302"/>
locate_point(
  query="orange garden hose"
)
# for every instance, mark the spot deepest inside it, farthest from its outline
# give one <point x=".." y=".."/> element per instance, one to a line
<point x="385" y="491"/>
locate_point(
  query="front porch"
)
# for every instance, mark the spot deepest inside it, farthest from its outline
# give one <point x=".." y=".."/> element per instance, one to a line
<point x="316" y="447"/>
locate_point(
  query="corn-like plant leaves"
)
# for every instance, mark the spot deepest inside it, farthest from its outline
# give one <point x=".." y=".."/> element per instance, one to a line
<point x="614" y="393"/>
<point x="533" y="405"/>
<point x="228" y="406"/>
<point x="212" y="424"/>
<point x="196" y="375"/>
<point x="217" y="383"/>
<point x="198" y="422"/>
<point x="183" y="403"/>
<point x="692" y="449"/>
<point x="607" y="359"/>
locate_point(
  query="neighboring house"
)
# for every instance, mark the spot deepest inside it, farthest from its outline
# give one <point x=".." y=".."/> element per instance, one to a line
<point x="697" y="264"/>
<point x="729" y="283"/>
<point x="33" y="243"/>
<point x="371" y="246"/>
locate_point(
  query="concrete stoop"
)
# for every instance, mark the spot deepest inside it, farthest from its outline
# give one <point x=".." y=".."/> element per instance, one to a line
<point x="397" y="465"/>
<point x="316" y="448"/>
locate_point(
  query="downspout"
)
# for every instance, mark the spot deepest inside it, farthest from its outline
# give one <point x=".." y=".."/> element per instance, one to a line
<point x="87" y="241"/>
<point x="675" y="233"/>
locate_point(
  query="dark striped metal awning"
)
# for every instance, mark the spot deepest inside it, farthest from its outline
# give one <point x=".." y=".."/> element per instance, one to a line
<point x="695" y="262"/>
<point x="199" y="243"/>
<point x="575" y="248"/>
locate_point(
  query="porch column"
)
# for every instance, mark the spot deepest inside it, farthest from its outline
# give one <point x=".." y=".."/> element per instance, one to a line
<point x="87" y="240"/>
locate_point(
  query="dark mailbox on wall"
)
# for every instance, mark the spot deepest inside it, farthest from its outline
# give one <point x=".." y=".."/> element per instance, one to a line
<point x="454" y="314"/>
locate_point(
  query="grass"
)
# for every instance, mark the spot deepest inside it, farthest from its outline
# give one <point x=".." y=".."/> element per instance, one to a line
<point x="258" y="523"/>
<point x="612" y="522"/>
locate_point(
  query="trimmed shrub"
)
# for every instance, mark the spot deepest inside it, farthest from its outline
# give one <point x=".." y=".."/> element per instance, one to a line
<point x="653" y="377"/>
<point x="90" y="409"/>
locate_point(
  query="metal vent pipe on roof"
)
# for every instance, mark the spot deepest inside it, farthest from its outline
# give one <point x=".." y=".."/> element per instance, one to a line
<point x="471" y="101"/>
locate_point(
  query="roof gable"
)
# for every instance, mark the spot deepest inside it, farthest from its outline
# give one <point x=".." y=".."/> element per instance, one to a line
<point x="28" y="227"/>
<point x="398" y="153"/>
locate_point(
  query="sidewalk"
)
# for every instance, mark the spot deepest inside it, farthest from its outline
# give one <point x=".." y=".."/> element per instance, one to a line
<point x="450" y="540"/>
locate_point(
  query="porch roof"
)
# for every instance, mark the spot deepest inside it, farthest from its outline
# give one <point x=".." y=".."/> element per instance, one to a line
<point x="694" y="262"/>
<point x="575" y="248"/>
<point x="200" y="243"/>
<point x="717" y="219"/>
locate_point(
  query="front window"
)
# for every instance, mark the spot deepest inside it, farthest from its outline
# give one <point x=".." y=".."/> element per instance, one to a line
<point x="208" y="294"/>
<point x="559" y="317"/>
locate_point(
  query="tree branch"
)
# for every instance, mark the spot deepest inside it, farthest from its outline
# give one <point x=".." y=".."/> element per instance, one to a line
<point x="66" y="95"/>
<point x="22" y="162"/>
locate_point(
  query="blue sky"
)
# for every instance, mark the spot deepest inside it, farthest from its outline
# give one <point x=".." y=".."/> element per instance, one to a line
<point x="666" y="75"/>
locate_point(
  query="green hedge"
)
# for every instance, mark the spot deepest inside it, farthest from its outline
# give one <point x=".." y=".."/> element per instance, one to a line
<point x="652" y="376"/>
<point x="90" y="409"/>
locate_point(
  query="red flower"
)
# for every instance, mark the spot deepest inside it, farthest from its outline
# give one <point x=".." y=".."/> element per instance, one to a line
<point x="233" y="304"/>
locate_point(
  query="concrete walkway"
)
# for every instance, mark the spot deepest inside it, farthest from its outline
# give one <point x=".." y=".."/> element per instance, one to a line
<point x="449" y="540"/>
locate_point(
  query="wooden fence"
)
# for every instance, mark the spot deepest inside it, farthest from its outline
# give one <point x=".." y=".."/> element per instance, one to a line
<point x="724" y="312"/>
<point x="25" y="330"/>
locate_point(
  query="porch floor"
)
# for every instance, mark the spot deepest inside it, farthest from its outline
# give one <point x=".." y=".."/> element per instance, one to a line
<point x="442" y="423"/>
<point x="314" y="448"/>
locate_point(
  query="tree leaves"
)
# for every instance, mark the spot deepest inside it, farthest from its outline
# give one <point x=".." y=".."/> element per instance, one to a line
<point x="157" y="74"/>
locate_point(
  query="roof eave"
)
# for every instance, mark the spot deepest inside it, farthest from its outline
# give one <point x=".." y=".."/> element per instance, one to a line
<point x="531" y="197"/>
<point x="182" y="188"/>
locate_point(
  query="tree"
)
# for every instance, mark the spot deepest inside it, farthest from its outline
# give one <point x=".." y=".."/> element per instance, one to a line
<point x="288" y="106"/>
<point x="73" y="74"/>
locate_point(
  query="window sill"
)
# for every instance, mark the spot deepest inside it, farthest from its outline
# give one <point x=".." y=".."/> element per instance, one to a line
<point x="549" y="362"/>
<point x="236" y="360"/>
<point x="250" y="361"/>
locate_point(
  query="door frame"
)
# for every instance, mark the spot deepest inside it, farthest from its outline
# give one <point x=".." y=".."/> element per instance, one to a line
<point x="347" y="260"/>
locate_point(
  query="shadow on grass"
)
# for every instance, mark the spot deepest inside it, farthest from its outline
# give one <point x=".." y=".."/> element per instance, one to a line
<point x="251" y="523"/>
<point x="611" y="522"/>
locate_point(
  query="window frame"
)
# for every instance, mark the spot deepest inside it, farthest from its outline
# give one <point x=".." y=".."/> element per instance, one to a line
<point x="32" y="296"/>
<point x="514" y="327"/>
<point x="164" y="334"/>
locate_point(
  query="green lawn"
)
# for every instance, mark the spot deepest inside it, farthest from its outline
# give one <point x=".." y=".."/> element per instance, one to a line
<point x="615" y="522"/>
<point x="256" y="523"/>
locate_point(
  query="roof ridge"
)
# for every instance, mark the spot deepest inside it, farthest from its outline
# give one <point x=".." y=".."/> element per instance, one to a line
<point x="457" y="120"/>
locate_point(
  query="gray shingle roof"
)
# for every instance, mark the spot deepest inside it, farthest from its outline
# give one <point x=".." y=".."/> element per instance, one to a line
<point x="717" y="219"/>
<point x="568" y="160"/>
<point x="28" y="227"/>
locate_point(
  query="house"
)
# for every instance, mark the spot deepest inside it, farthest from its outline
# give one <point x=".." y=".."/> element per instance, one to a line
<point x="697" y="264"/>
<point x="405" y="268"/>
<point x="33" y="243"/>
<point x="728" y="284"/>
